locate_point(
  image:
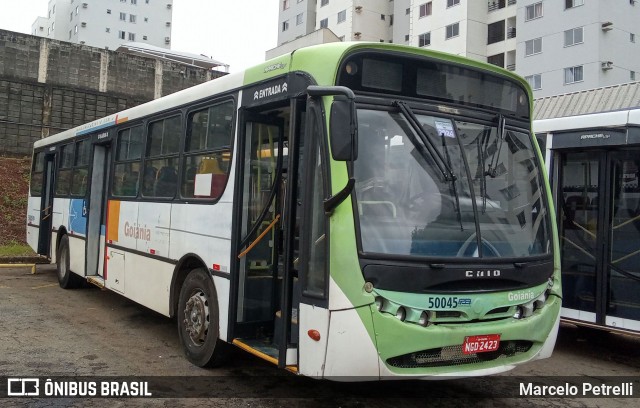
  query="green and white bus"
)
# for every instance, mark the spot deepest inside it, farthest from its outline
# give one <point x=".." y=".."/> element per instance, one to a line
<point x="350" y="210"/>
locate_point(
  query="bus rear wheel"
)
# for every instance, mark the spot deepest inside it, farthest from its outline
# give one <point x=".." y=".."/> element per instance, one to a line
<point x="66" y="278"/>
<point x="197" y="318"/>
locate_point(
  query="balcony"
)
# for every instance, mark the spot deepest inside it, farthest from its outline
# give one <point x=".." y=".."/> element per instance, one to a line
<point x="511" y="2"/>
<point x="511" y="32"/>
<point x="511" y="67"/>
<point x="496" y="5"/>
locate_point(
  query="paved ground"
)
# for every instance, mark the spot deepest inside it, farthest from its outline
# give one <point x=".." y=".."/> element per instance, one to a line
<point x="47" y="331"/>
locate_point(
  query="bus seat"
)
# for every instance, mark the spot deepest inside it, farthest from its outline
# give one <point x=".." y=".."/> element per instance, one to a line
<point x="165" y="185"/>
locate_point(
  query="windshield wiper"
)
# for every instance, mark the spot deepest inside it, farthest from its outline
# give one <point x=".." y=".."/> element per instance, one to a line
<point x="444" y="169"/>
<point x="444" y="166"/>
<point x="492" y="171"/>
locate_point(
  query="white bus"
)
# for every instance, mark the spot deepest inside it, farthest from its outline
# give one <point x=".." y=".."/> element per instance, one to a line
<point x="366" y="210"/>
<point x="594" y="163"/>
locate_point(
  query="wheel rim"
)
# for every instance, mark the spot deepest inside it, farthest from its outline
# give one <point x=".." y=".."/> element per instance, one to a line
<point x="196" y="317"/>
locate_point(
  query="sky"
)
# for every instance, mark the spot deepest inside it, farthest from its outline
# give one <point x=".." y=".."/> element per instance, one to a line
<point x="236" y="32"/>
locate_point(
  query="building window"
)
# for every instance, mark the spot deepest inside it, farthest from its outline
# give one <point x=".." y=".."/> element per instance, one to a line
<point x="451" y="3"/>
<point x="77" y="10"/>
<point x="342" y="16"/>
<point x="132" y="18"/>
<point x="107" y="30"/>
<point x="533" y="11"/>
<point x="108" y="11"/>
<point x="453" y="30"/>
<point x="632" y="37"/>
<point x="424" y="39"/>
<point x="532" y="47"/>
<point x="71" y="16"/>
<point x="497" y="60"/>
<point x="123" y="16"/>
<point x="285" y="4"/>
<point x="425" y="9"/>
<point x="495" y="32"/>
<point x="75" y="30"/>
<point x="121" y="35"/>
<point x="391" y="19"/>
<point x="134" y="2"/>
<point x="573" y="74"/>
<point x="324" y="3"/>
<point x="144" y="37"/>
<point x="324" y="23"/>
<point x="573" y="37"/>
<point x="70" y="33"/>
<point x="285" y="25"/>
<point x="382" y="17"/>
<point x="573" y="3"/>
<point x="299" y="19"/>
<point x="146" y="19"/>
<point x="406" y="37"/>
<point x="535" y="81"/>
<point x="632" y="75"/>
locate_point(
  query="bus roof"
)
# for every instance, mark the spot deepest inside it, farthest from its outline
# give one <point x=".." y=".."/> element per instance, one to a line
<point x="320" y="61"/>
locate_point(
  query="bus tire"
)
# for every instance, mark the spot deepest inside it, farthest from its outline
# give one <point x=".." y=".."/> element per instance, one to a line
<point x="198" y="318"/>
<point x="66" y="278"/>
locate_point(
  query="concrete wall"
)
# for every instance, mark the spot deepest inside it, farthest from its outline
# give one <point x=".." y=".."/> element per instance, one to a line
<point x="47" y="86"/>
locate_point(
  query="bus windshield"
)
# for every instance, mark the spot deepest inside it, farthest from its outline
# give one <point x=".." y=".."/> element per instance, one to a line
<point x="488" y="203"/>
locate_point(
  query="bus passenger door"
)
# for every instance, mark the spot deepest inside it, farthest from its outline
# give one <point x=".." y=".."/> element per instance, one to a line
<point x="260" y="250"/>
<point x="96" y="211"/>
<point x="44" y="234"/>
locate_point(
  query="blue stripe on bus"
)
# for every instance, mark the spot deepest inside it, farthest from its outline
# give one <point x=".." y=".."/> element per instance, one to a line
<point x="93" y="129"/>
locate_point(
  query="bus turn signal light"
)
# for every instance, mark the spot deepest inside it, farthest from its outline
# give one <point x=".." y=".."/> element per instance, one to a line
<point x="314" y="334"/>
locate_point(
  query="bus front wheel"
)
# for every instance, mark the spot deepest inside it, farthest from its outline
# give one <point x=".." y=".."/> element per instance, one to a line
<point x="197" y="318"/>
<point x="66" y="278"/>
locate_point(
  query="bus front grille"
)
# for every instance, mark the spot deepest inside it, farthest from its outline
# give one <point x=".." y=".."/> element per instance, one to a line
<point x="453" y="355"/>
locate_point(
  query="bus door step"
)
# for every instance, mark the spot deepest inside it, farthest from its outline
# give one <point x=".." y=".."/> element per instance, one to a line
<point x="96" y="280"/>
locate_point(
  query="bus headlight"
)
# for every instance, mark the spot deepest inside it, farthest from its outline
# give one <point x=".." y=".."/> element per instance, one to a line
<point x="401" y="314"/>
<point x="379" y="303"/>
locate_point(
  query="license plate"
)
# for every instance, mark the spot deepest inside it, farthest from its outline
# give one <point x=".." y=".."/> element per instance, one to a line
<point x="481" y="344"/>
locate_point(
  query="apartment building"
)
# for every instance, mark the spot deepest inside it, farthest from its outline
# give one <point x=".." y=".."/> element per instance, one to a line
<point x="107" y="23"/>
<point x="573" y="45"/>
<point x="559" y="46"/>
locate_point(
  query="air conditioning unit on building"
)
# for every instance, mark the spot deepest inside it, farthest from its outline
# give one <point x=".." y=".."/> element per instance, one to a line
<point x="606" y="65"/>
<point x="169" y="6"/>
<point x="85" y="5"/>
<point x="168" y="23"/>
<point x="358" y="9"/>
<point x="607" y="26"/>
<point x="83" y="24"/>
<point x="357" y="34"/>
<point x="167" y="40"/>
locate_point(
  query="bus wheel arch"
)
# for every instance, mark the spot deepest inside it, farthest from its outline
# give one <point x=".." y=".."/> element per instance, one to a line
<point x="198" y="316"/>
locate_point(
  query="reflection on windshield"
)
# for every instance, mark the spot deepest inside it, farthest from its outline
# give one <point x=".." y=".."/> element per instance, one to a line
<point x="405" y="207"/>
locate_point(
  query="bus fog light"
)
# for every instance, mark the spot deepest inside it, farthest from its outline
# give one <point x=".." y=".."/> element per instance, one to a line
<point x="424" y="319"/>
<point x="401" y="314"/>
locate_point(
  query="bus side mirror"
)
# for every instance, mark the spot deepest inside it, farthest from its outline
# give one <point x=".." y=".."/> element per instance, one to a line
<point x="343" y="130"/>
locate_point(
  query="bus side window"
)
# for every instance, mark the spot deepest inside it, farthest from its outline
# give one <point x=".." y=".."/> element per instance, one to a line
<point x="163" y="146"/>
<point x="126" y="175"/>
<point x="63" y="183"/>
<point x="207" y="151"/>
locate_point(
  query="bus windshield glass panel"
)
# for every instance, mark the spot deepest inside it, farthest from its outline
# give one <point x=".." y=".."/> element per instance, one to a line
<point x="493" y="206"/>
